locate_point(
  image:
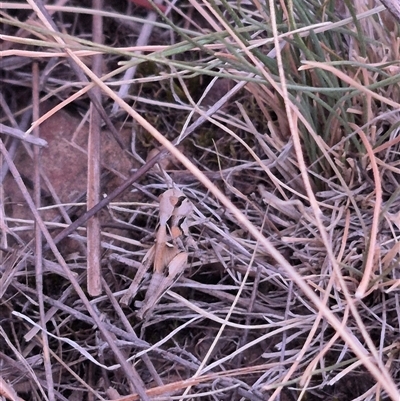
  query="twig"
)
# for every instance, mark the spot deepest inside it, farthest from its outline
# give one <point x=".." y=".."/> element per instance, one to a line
<point x="38" y="235"/>
<point x="16" y="133"/>
<point x="369" y="261"/>
<point x="94" y="166"/>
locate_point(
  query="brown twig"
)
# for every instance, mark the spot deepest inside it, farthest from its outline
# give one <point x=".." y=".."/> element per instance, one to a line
<point x="38" y="235"/>
<point x="94" y="166"/>
<point x="17" y="133"/>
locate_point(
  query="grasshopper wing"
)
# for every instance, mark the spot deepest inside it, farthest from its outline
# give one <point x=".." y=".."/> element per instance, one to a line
<point x="160" y="283"/>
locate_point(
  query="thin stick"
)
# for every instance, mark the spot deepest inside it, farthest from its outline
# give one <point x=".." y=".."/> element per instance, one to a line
<point x="17" y="133"/>
<point x="94" y="166"/>
<point x="38" y="236"/>
<point x="369" y="263"/>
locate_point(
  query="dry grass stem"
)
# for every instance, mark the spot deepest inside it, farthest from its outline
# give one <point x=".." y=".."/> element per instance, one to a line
<point x="94" y="167"/>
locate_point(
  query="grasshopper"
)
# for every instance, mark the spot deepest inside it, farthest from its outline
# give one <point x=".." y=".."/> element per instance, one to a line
<point x="167" y="259"/>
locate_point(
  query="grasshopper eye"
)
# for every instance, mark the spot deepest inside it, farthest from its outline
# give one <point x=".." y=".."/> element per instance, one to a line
<point x="180" y="221"/>
<point x="179" y="201"/>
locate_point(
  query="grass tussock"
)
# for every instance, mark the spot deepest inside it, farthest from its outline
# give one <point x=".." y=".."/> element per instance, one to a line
<point x="279" y="122"/>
